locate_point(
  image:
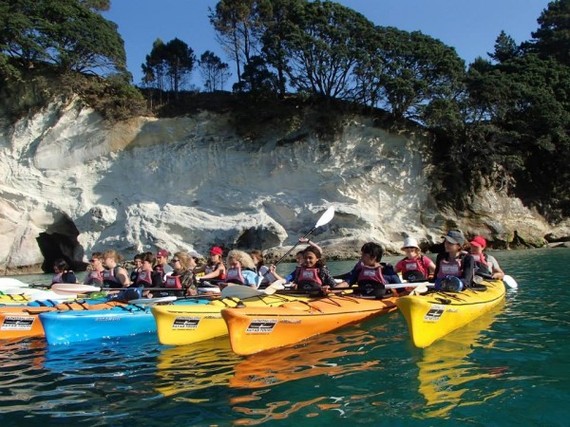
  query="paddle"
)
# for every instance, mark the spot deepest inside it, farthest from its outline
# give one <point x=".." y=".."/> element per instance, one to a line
<point x="325" y="218"/>
<point x="510" y="282"/>
<point x="151" y="301"/>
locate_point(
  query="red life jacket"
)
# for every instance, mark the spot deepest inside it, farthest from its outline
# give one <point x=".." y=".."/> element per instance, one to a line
<point x="173" y="282"/>
<point x="370" y="275"/>
<point x="308" y="276"/>
<point x="144" y="278"/>
<point x="452" y="267"/>
<point x="95" y="278"/>
<point x="110" y="278"/>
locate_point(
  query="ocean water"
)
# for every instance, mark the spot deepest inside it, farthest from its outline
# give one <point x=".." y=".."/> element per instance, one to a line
<point x="509" y="368"/>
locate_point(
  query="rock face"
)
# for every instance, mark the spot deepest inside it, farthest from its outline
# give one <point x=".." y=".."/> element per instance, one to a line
<point x="73" y="184"/>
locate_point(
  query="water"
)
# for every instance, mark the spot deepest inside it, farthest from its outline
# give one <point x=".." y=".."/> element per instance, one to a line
<point x="509" y="368"/>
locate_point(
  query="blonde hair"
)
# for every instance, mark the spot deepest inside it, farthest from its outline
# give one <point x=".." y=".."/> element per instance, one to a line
<point x="184" y="258"/>
<point x="112" y="253"/>
<point x="243" y="258"/>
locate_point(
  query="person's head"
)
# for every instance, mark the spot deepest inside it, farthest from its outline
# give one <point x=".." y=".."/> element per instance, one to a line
<point x="96" y="261"/>
<point x="411" y="247"/>
<point x="162" y="256"/>
<point x="60" y="265"/>
<point x="137" y="260"/>
<point x="312" y="257"/>
<point x="371" y="254"/>
<point x="477" y="244"/>
<point x="111" y="258"/>
<point x="216" y="254"/>
<point x="300" y="257"/>
<point x="182" y="261"/>
<point x="257" y="257"/>
<point x="454" y="240"/>
<point x="240" y="259"/>
<point x="148" y="261"/>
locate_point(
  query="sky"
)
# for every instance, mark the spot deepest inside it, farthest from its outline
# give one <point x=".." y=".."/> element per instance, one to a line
<point x="470" y="26"/>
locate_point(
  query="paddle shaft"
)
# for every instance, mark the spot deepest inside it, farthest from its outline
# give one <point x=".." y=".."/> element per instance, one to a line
<point x="293" y="247"/>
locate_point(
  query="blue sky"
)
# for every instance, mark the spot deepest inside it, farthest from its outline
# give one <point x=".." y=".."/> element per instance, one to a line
<point x="469" y="26"/>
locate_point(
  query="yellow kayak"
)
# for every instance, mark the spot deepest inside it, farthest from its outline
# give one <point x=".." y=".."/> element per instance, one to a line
<point x="433" y="315"/>
<point x="255" y="329"/>
<point x="187" y="324"/>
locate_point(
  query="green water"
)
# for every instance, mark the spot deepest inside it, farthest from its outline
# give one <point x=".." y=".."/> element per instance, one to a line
<point x="509" y="368"/>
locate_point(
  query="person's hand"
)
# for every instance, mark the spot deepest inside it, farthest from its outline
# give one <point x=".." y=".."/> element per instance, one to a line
<point x="303" y="240"/>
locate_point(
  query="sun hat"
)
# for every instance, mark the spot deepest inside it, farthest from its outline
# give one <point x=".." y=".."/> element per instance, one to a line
<point x="478" y="241"/>
<point x="455" y="236"/>
<point x="163" y="252"/>
<point x="410" y="242"/>
<point x="216" y="250"/>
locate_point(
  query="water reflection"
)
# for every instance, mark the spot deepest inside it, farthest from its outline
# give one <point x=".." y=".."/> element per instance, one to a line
<point x="447" y="372"/>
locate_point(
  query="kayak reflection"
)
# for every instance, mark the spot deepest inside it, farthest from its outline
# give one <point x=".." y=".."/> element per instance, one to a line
<point x="446" y="370"/>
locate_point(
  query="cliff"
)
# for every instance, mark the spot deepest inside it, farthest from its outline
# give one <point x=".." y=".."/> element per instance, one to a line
<point x="72" y="183"/>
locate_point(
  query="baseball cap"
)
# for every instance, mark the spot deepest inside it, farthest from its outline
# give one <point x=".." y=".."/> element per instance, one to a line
<point x="455" y="236"/>
<point x="162" y="252"/>
<point x="478" y="241"/>
<point x="216" y="250"/>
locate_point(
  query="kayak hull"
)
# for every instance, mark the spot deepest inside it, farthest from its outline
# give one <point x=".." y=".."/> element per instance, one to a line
<point x="433" y="315"/>
<point x="182" y="325"/>
<point x="255" y="329"/>
<point x="77" y="326"/>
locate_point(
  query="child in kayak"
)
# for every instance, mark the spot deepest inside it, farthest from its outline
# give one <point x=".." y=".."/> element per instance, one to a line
<point x="313" y="275"/>
<point x="454" y="268"/>
<point x="415" y="267"/>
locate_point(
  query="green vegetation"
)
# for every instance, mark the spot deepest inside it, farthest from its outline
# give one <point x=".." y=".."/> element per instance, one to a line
<point x="499" y="122"/>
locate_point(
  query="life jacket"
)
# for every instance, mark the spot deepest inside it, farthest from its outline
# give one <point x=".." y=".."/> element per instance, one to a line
<point x="57" y="278"/>
<point x="452" y="267"/>
<point x="94" y="278"/>
<point x="173" y="281"/>
<point x="371" y="281"/>
<point x="144" y="278"/>
<point x="211" y="268"/>
<point x="481" y="264"/>
<point x="234" y="275"/>
<point x="110" y="279"/>
<point x="308" y="279"/>
<point x="413" y="268"/>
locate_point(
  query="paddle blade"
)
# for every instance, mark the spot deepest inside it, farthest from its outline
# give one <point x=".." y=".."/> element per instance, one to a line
<point x="510" y="282"/>
<point x="326" y="217"/>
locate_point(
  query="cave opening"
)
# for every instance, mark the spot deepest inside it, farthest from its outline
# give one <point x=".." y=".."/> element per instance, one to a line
<point x="60" y="241"/>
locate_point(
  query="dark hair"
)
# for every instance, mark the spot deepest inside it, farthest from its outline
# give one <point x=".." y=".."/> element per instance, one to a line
<point x="373" y="249"/>
<point x="320" y="260"/>
<point x="61" y="264"/>
<point x="259" y="255"/>
<point x="139" y="257"/>
<point x="149" y="256"/>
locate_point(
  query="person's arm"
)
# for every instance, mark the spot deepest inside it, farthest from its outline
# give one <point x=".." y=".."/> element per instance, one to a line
<point x="326" y="277"/>
<point x="497" y="271"/>
<point x="468" y="270"/>
<point x="218" y="273"/>
<point x="310" y="243"/>
<point x="123" y="277"/>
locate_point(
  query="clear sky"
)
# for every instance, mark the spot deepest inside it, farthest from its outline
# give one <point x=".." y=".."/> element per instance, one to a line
<point x="470" y="26"/>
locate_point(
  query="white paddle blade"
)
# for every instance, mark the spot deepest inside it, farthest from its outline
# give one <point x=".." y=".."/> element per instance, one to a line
<point x="240" y="291"/>
<point x="151" y="301"/>
<point x="510" y="282"/>
<point x="326" y="217"/>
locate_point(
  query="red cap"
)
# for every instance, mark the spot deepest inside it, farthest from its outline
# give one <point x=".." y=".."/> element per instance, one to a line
<point x="478" y="241"/>
<point x="162" y="252"/>
<point x="216" y="250"/>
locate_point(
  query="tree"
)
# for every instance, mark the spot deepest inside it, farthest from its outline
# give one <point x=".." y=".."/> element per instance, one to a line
<point x="323" y="47"/>
<point x="238" y="26"/>
<point x="66" y="33"/>
<point x="552" y="38"/>
<point x="505" y="48"/>
<point x="167" y="65"/>
<point x="257" y="78"/>
<point x="214" y="72"/>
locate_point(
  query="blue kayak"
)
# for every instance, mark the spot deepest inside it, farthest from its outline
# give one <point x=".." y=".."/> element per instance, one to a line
<point x="66" y="327"/>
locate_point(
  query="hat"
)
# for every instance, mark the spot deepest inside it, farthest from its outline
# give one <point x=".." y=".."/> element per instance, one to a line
<point x="410" y="242"/>
<point x="455" y="236"/>
<point x="216" y="250"/>
<point x="478" y="241"/>
<point x="163" y="252"/>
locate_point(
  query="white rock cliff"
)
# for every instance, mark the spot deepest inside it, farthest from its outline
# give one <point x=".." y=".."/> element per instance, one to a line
<point x="190" y="182"/>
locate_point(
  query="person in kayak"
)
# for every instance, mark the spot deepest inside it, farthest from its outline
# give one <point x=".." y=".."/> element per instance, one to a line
<point x="368" y="273"/>
<point x="415" y="267"/>
<point x="214" y="269"/>
<point x="182" y="279"/>
<point x="241" y="269"/>
<point x="486" y="265"/>
<point x="313" y="275"/>
<point x="454" y="268"/>
<point x="95" y="273"/>
<point x="114" y="276"/>
<point x="62" y="272"/>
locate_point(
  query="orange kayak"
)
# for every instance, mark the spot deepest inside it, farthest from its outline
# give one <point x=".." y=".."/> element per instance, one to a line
<point x="23" y="321"/>
<point x="255" y="329"/>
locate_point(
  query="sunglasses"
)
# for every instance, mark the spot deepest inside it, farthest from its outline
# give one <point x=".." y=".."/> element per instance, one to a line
<point x="175" y="260"/>
<point x="92" y="260"/>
